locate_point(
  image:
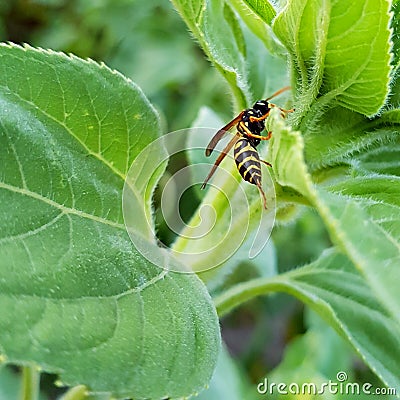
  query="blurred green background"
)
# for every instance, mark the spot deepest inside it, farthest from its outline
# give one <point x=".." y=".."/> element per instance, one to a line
<point x="147" y="41"/>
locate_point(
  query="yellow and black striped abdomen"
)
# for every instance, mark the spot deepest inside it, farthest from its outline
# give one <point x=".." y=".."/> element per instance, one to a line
<point x="247" y="161"/>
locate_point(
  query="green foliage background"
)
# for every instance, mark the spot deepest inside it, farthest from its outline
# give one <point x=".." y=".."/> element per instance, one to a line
<point x="340" y="257"/>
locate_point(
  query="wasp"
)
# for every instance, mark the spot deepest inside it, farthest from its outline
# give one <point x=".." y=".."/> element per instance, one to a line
<point x="249" y="125"/>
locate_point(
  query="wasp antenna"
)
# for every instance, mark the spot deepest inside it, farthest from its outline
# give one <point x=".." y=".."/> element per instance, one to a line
<point x="277" y="93"/>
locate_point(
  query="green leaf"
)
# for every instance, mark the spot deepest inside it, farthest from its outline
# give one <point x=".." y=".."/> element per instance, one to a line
<point x="212" y="25"/>
<point x="258" y="16"/>
<point x="76" y="297"/>
<point x="80" y="392"/>
<point x="267" y="72"/>
<point x="328" y="144"/>
<point x="382" y="160"/>
<point x="339" y="54"/>
<point x="227" y="381"/>
<point x="263" y="9"/>
<point x="286" y="153"/>
<point x="227" y="45"/>
<point x="395" y="24"/>
<point x="370" y="203"/>
<point x="314" y="357"/>
<point x="333" y="288"/>
<point x="241" y="268"/>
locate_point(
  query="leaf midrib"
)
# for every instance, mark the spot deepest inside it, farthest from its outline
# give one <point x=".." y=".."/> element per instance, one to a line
<point x="62" y="208"/>
<point x="117" y="296"/>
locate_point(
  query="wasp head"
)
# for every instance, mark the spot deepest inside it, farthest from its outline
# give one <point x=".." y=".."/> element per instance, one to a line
<point x="261" y="107"/>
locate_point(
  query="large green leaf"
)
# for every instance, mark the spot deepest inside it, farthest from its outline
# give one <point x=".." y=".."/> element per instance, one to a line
<point x="76" y="297"/>
<point x="339" y="294"/>
<point x="339" y="52"/>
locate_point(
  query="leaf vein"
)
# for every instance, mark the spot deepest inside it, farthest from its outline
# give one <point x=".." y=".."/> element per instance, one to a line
<point x="65" y="210"/>
<point x="32" y="232"/>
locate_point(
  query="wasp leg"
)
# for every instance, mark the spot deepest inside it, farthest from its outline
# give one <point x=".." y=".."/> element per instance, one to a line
<point x="266" y="163"/>
<point x="257" y="119"/>
<point x="245" y="130"/>
<point x="263" y="196"/>
<point x="252" y="135"/>
<point x="283" y="110"/>
<point x="287" y="111"/>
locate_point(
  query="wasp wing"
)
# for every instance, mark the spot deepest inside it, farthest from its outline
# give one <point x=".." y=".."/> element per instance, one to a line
<point x="220" y="134"/>
<point x="220" y="158"/>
